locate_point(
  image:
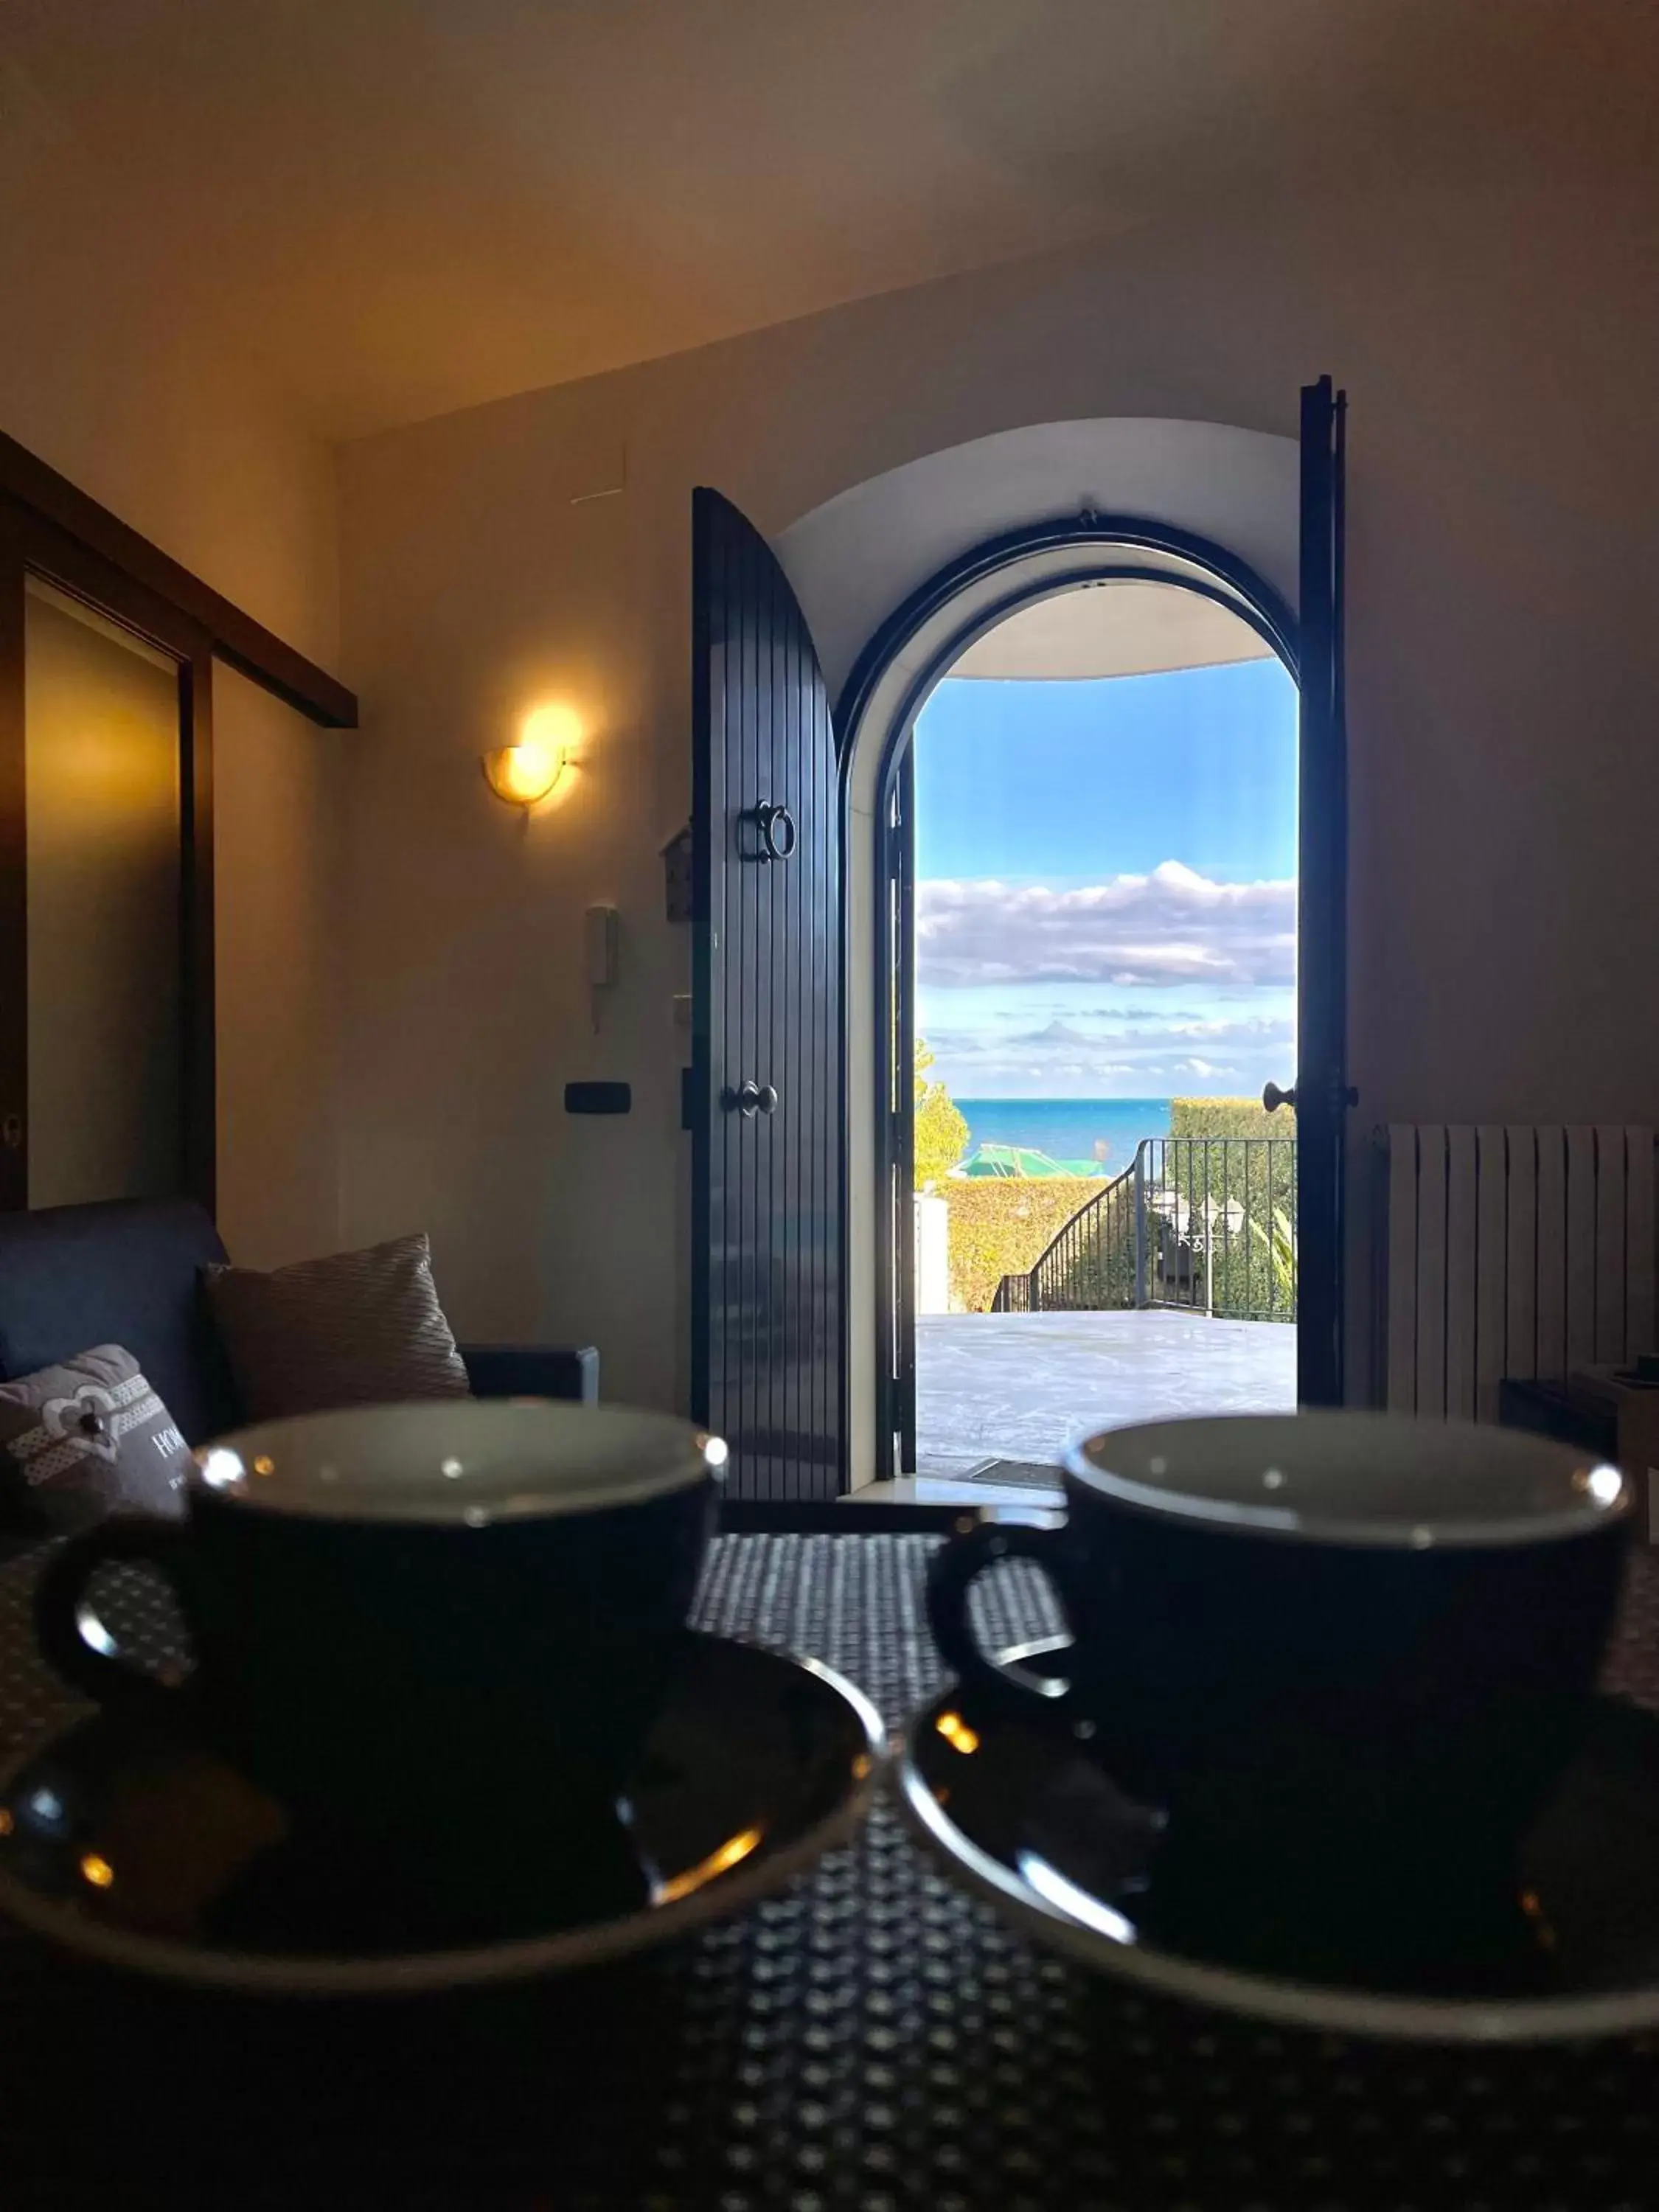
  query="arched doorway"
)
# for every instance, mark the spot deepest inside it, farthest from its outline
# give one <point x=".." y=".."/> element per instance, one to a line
<point x="788" y="867"/>
<point x="1027" y="586"/>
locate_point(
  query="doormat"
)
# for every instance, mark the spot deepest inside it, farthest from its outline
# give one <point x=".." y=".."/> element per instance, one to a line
<point x="1013" y="1474"/>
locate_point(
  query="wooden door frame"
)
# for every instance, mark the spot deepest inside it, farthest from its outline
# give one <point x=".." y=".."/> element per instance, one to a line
<point x="52" y="530"/>
<point x="31" y="486"/>
<point x="1095" y="549"/>
<point x="1323" y="1093"/>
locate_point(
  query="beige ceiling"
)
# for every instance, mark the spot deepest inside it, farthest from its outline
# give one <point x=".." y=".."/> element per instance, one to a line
<point x="402" y="206"/>
<point x="1113" y="630"/>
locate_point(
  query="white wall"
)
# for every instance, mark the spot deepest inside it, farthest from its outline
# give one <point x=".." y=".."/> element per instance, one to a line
<point x="1499" y="346"/>
<point x="862" y="553"/>
<point x="192" y="450"/>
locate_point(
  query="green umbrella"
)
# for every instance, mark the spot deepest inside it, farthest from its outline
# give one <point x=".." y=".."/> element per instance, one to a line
<point x="1022" y="1160"/>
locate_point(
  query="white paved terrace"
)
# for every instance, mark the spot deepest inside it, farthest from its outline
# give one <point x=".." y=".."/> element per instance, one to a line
<point x="1021" y="1386"/>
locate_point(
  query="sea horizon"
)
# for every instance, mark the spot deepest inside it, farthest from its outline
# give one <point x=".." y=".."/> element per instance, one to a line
<point x="1105" y="1131"/>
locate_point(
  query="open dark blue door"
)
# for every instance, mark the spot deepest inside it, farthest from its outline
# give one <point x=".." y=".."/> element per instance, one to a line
<point x="1323" y="1097"/>
<point x="767" y="1124"/>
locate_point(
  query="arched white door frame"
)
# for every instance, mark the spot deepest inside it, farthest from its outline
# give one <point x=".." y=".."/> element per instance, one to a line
<point x="875" y="717"/>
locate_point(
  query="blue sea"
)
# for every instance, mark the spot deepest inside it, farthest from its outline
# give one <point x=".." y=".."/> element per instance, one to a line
<point x="1069" y="1128"/>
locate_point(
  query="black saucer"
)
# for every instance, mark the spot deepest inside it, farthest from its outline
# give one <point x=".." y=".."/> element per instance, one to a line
<point x="1022" y="1816"/>
<point x="143" y="1849"/>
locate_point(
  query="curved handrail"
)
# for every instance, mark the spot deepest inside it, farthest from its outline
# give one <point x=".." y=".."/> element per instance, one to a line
<point x="1088" y="1206"/>
<point x="1209" y="1223"/>
<point x="1075" y="1228"/>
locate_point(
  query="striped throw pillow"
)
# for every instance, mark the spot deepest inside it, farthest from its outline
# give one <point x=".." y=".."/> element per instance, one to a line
<point x="358" y="1329"/>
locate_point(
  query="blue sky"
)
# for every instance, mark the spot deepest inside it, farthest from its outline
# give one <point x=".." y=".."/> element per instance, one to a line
<point x="1106" y="883"/>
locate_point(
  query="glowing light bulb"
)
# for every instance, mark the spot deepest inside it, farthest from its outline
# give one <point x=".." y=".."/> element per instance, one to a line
<point x="525" y="773"/>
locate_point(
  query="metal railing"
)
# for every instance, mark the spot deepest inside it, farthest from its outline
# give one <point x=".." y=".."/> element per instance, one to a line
<point x="1089" y="1266"/>
<point x="1207" y="1224"/>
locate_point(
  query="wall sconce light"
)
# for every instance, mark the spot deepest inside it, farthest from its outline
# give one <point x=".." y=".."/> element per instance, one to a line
<point x="525" y="773"/>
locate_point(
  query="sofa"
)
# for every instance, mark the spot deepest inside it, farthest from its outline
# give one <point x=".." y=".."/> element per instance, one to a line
<point x="128" y="1272"/>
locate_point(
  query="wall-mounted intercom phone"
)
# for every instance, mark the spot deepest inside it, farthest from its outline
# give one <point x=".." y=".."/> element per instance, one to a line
<point x="600" y="934"/>
<point x="601" y="929"/>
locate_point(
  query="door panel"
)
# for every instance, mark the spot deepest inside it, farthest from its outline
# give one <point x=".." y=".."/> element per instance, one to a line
<point x="103" y="814"/>
<point x="106" y="1065"/>
<point x="896" y="955"/>
<point x="1321" y="1084"/>
<point x="767" y="1128"/>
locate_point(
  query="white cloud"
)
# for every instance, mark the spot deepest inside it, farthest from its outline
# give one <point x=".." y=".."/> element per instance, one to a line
<point x="1149" y="1060"/>
<point x="1173" y="926"/>
<point x="1162" y="1036"/>
<point x="1053" y="1033"/>
<point x="1120" y="1050"/>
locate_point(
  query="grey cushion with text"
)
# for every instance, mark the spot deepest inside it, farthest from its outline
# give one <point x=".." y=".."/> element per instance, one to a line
<point x="85" y="1435"/>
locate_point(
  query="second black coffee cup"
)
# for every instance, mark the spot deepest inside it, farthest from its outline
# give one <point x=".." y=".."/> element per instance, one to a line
<point x="1320" y="1641"/>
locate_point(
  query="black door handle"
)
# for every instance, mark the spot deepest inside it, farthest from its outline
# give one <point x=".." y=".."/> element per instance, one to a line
<point x="777" y="825"/>
<point x="1273" y="1097"/>
<point x="750" y="1098"/>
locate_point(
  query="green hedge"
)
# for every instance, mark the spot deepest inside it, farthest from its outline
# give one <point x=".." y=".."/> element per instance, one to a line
<point x="1000" y="1223"/>
<point x="1229" y="1117"/>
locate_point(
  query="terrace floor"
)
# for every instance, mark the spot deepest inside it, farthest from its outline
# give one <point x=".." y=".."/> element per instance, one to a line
<point x="1022" y="1386"/>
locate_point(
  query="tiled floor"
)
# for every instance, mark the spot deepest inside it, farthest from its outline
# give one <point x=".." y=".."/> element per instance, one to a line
<point x="1021" y="1386"/>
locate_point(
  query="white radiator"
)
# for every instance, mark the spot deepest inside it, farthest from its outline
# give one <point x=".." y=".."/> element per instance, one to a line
<point x="1510" y="1252"/>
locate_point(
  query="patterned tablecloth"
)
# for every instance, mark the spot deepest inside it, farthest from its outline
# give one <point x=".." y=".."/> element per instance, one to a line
<point x="871" y="2041"/>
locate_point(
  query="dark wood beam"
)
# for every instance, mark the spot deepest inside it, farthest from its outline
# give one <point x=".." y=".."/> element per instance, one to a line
<point x="247" y="645"/>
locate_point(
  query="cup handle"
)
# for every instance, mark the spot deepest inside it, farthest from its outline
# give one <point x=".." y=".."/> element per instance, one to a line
<point x="72" y="1636"/>
<point x="954" y="1569"/>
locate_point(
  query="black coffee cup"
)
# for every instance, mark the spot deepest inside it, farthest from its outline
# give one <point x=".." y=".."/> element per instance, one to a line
<point x="1347" y="1654"/>
<point x="433" y="1626"/>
